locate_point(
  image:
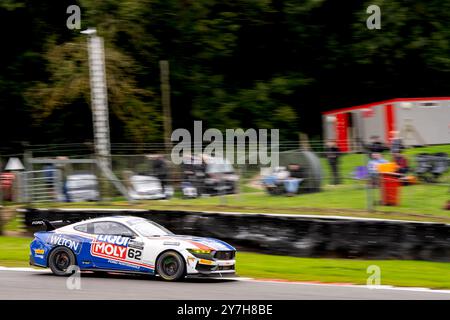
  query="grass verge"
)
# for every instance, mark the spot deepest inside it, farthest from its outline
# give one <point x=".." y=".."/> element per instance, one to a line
<point x="393" y="272"/>
<point x="14" y="252"/>
<point x="418" y="203"/>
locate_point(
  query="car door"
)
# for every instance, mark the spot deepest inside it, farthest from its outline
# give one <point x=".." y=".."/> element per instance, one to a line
<point x="116" y="247"/>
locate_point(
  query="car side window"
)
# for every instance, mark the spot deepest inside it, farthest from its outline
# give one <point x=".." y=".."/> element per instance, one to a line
<point x="82" y="228"/>
<point x="111" y="228"/>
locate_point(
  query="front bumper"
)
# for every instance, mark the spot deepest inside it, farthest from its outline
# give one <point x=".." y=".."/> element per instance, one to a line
<point x="228" y="275"/>
<point x="198" y="266"/>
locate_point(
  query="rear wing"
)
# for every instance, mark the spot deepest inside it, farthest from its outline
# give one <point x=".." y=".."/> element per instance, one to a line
<point x="52" y="225"/>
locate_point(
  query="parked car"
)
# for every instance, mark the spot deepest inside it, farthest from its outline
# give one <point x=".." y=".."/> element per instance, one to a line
<point x="82" y="187"/>
<point x="210" y="175"/>
<point x="144" y="187"/>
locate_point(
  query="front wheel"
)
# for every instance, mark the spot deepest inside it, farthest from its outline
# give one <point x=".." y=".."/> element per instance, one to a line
<point x="60" y="260"/>
<point x="170" y="266"/>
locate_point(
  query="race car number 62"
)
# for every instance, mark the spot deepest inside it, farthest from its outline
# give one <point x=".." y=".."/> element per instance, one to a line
<point x="134" y="254"/>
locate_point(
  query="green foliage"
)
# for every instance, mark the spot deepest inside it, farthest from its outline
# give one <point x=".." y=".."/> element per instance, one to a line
<point x="244" y="63"/>
<point x="261" y="106"/>
<point x="69" y="82"/>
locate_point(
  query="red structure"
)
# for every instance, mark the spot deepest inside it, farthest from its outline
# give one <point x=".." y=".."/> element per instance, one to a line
<point x="419" y="121"/>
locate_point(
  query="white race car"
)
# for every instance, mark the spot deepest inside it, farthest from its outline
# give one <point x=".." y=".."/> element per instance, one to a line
<point x="130" y="244"/>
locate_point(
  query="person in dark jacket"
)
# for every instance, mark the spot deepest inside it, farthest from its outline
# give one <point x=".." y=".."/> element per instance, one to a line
<point x="402" y="163"/>
<point x="332" y="154"/>
<point x="376" y="146"/>
<point x="161" y="171"/>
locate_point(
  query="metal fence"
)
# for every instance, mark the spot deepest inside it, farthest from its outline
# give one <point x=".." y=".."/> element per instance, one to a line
<point x="310" y="179"/>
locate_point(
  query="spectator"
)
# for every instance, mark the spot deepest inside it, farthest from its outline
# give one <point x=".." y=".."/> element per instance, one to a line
<point x="402" y="163"/>
<point x="376" y="146"/>
<point x="447" y="206"/>
<point x="294" y="179"/>
<point x="376" y="158"/>
<point x="65" y="172"/>
<point x="161" y="171"/>
<point x="274" y="179"/>
<point x="199" y="165"/>
<point x="49" y="172"/>
<point x="332" y="153"/>
<point x="396" y="143"/>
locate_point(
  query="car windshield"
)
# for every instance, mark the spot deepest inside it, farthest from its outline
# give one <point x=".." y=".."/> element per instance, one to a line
<point x="149" y="229"/>
<point x="145" y="183"/>
<point x="219" y="167"/>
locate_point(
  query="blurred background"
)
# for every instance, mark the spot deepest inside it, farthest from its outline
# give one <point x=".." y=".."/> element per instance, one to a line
<point x="249" y="64"/>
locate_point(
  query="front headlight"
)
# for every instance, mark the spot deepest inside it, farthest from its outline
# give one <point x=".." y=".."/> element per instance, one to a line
<point x="202" y="254"/>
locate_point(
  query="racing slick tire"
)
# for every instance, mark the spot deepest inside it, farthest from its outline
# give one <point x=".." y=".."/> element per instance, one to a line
<point x="170" y="266"/>
<point x="60" y="259"/>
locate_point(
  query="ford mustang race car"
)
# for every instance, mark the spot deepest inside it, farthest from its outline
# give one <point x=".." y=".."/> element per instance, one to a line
<point x="129" y="244"/>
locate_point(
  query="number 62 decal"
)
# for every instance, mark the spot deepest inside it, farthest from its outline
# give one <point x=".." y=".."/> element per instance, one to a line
<point x="134" y="254"/>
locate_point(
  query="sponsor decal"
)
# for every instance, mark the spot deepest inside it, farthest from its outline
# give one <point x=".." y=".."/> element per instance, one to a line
<point x="38" y="251"/>
<point x="210" y="244"/>
<point x="120" y="263"/>
<point x="65" y="241"/>
<point x="115" y="249"/>
<point x="119" y="240"/>
<point x="171" y="243"/>
<point x="109" y="249"/>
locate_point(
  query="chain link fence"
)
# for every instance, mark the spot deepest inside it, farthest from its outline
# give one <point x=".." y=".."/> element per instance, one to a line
<point x="313" y="176"/>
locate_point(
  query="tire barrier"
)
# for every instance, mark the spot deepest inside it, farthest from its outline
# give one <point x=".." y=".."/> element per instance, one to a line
<point x="292" y="235"/>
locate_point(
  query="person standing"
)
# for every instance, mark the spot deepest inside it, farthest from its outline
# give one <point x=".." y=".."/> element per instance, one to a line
<point x="396" y="143"/>
<point x="376" y="146"/>
<point x="161" y="171"/>
<point x="402" y="163"/>
<point x="376" y="159"/>
<point x="333" y="153"/>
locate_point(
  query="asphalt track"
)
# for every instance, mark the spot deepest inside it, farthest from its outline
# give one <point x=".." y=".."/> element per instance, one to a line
<point x="25" y="283"/>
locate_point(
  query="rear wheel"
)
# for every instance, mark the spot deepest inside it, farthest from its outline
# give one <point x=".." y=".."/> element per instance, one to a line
<point x="170" y="266"/>
<point x="60" y="260"/>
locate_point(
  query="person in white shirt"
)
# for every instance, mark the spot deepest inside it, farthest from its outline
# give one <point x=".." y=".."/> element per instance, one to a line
<point x="372" y="167"/>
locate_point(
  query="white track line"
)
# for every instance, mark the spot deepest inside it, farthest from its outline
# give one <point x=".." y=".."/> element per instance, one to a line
<point x="375" y="287"/>
<point x="23" y="269"/>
